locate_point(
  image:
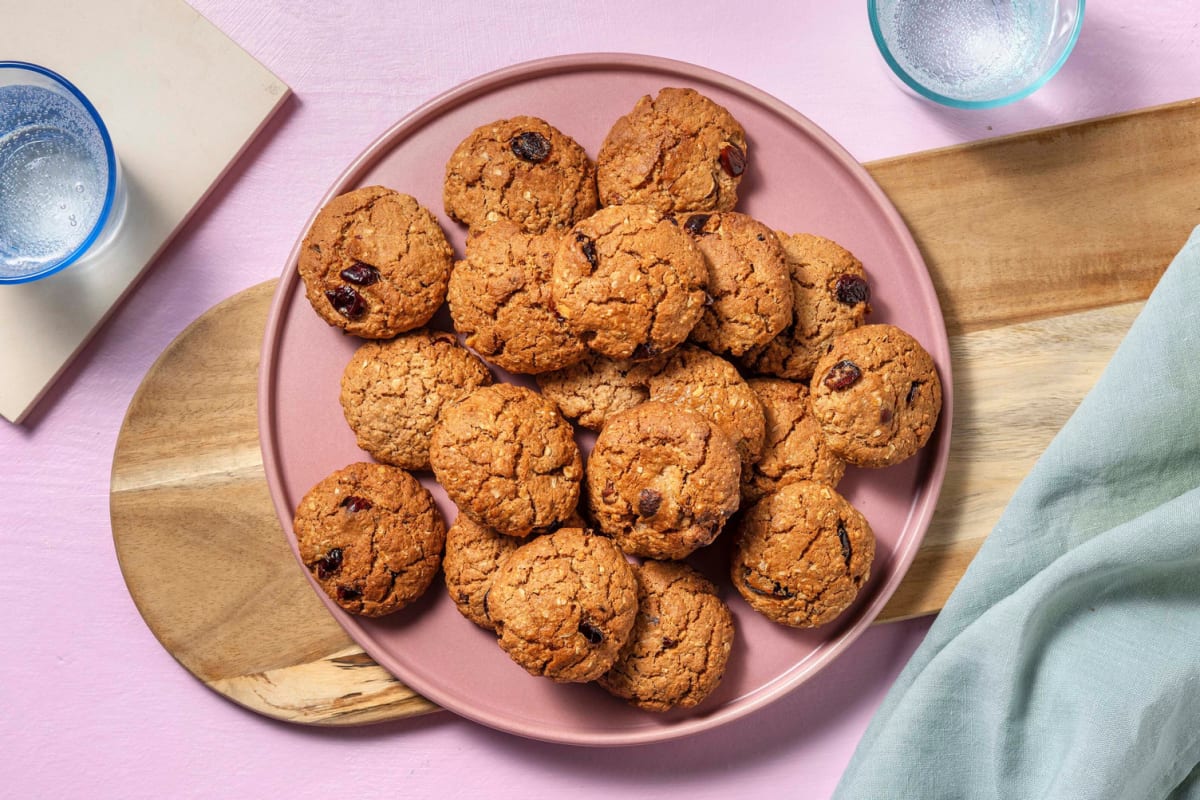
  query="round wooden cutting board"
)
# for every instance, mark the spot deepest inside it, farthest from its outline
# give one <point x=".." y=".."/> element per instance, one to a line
<point x="200" y="545"/>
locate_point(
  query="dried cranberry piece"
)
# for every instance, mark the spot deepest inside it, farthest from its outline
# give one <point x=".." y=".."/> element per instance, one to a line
<point x="346" y="301"/>
<point x="885" y="415"/>
<point x="844" y="538"/>
<point x="695" y="224"/>
<point x="590" y="632"/>
<point x="587" y="246"/>
<point x="348" y="594"/>
<point x="360" y="274"/>
<point x="842" y="375"/>
<point x="607" y="493"/>
<point x="530" y="146"/>
<point x="354" y="504"/>
<point x="648" y="502"/>
<point x="330" y="563"/>
<point x="852" y="290"/>
<point x="733" y="160"/>
<point x="912" y="392"/>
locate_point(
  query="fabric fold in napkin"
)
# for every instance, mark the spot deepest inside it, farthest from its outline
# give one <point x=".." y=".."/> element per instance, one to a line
<point x="1066" y="664"/>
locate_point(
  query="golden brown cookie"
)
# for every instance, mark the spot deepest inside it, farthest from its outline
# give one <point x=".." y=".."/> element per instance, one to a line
<point x="393" y="391"/>
<point x="500" y="301"/>
<point x="795" y="448"/>
<point x="680" y="644"/>
<point x="375" y="263"/>
<point x="801" y="555"/>
<point x="629" y="283"/>
<point x="876" y="395"/>
<point x="678" y="151"/>
<point x="521" y="169"/>
<point x="703" y="382"/>
<point x="597" y="387"/>
<point x="507" y="459"/>
<point x="662" y="480"/>
<point x="474" y="553"/>
<point x="371" y="536"/>
<point x="563" y="605"/>
<point x="748" y="281"/>
<point x="830" y="294"/>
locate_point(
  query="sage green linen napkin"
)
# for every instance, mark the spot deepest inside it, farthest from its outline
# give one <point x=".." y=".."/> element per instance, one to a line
<point x="1066" y="664"/>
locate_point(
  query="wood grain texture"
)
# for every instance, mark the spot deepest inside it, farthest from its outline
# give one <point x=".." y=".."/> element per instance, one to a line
<point x="1042" y="247"/>
<point x="1052" y="221"/>
<point x="201" y="548"/>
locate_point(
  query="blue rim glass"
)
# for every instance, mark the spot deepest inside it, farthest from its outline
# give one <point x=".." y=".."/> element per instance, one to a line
<point x="916" y="86"/>
<point x="110" y="155"/>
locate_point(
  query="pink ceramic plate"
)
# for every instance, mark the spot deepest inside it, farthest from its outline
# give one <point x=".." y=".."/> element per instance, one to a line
<point x="798" y="180"/>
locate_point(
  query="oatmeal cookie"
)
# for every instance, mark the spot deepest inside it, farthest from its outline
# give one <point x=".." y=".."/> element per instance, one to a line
<point x="563" y="605"/>
<point x="629" y="283"/>
<point x="473" y="555"/>
<point x="393" y="391"/>
<point x="802" y="554"/>
<point x="830" y="294"/>
<point x="662" y="480"/>
<point x="748" y="281"/>
<point x="703" y="382"/>
<point x="678" y="151"/>
<point x="500" y="301"/>
<point x="371" y="536"/>
<point x="375" y="263"/>
<point x="507" y="459"/>
<point x="680" y="644"/>
<point x="876" y="395"/>
<point x="597" y="387"/>
<point x="795" y="448"/>
<point x="521" y="169"/>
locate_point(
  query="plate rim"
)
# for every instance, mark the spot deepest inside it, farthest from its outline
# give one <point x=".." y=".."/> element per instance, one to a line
<point x="919" y="515"/>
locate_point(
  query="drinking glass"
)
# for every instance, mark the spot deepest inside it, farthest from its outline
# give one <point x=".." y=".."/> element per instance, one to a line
<point x="61" y="193"/>
<point x="975" y="53"/>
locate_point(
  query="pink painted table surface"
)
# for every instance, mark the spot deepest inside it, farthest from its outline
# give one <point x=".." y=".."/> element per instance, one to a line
<point x="90" y="703"/>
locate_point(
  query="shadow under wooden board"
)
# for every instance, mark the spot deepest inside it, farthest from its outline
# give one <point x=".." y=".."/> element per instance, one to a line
<point x="1042" y="247"/>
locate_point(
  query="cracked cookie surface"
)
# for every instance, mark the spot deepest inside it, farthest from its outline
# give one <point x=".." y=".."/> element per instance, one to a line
<point x="597" y="387"/>
<point x="748" y="282"/>
<point x="706" y="383"/>
<point x="662" y="480"/>
<point x="500" y="301"/>
<point x="375" y="263"/>
<point x="371" y="536"/>
<point x="794" y="448"/>
<point x="682" y="636"/>
<point x="677" y="151"/>
<point x="802" y="554"/>
<point x="876" y="395"/>
<point x="563" y="605"/>
<point x="830" y="295"/>
<point x="393" y="391"/>
<point x="628" y="282"/>
<point x="507" y="459"/>
<point x="474" y="553"/>
<point x="521" y="169"/>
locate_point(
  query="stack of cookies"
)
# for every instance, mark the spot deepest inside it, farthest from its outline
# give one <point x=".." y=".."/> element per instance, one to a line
<point x="725" y="367"/>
